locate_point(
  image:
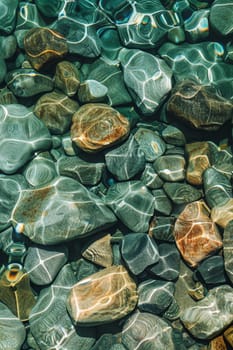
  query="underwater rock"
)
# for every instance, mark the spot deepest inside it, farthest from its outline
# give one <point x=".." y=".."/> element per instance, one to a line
<point x="67" y="78"/>
<point x="7" y="97"/>
<point x="210" y="316"/>
<point x="22" y="134"/>
<point x="139" y="251"/>
<point x="221" y="14"/>
<point x="147" y="77"/>
<point x="126" y="160"/>
<point x="100" y="252"/>
<point x="227" y="250"/>
<point x="42" y="263"/>
<point x="56" y="110"/>
<point x="170" y="167"/>
<point x="13" y="332"/>
<point x="92" y="91"/>
<point x="96" y="126"/>
<point x="144" y="329"/>
<point x="81" y="170"/>
<point x="27" y="82"/>
<point x="197" y="26"/>
<point x="8" y="46"/>
<point x="150" y="178"/>
<point x="8" y="15"/>
<point x="103" y="297"/>
<point x="212" y="270"/>
<point x="43" y="45"/>
<point x="161" y="228"/>
<point x="61" y="211"/>
<point x="199" y="106"/>
<point x="223" y="214"/>
<point x="154" y="296"/>
<point x="132" y="203"/>
<point x="196" y="235"/>
<point x="50" y="323"/>
<point x="162" y="203"/>
<point x="181" y="193"/>
<point x="150" y="143"/>
<point x="173" y="135"/>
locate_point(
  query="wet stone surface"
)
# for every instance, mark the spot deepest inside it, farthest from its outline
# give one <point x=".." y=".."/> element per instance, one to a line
<point x="116" y="162"/>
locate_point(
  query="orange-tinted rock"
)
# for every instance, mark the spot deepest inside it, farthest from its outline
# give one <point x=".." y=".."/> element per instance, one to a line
<point x="228" y="335"/>
<point x="223" y="214"/>
<point x="100" y="252"/>
<point x="217" y="344"/>
<point x="196" y="235"/>
<point x="103" y="297"/>
<point x="198" y="161"/>
<point x="97" y="126"/>
<point x="43" y="45"/>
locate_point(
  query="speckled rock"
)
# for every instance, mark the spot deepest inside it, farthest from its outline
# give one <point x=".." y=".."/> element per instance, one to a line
<point x="126" y="160"/>
<point x="143" y="329"/>
<point x="211" y="315"/>
<point x="108" y="295"/>
<point x="139" y="251"/>
<point x="196" y="235"/>
<point x="22" y="134"/>
<point x="49" y="220"/>
<point x="13" y="332"/>
<point x="42" y="263"/>
<point x="97" y="126"/>
<point x="132" y="203"/>
<point x="56" y="110"/>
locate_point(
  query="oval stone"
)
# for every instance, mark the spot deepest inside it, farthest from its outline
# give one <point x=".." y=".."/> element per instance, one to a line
<point x="67" y="78"/>
<point x="96" y="126"/>
<point x="103" y="297"/>
<point x="43" y="45"/>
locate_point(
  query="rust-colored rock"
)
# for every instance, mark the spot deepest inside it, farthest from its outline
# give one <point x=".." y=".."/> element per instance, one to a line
<point x="97" y="126"/>
<point x="43" y="45"/>
<point x="228" y="335"/>
<point x="217" y="343"/>
<point x="196" y="235"/>
<point x="103" y="297"/>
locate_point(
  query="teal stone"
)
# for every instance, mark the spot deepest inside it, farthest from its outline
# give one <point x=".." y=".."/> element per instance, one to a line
<point x="221" y="17"/>
<point x="150" y="143"/>
<point x="84" y="214"/>
<point x="13" y="332"/>
<point x="8" y="15"/>
<point x="43" y="263"/>
<point x="139" y="251"/>
<point x="3" y="69"/>
<point x="10" y="188"/>
<point x="92" y="91"/>
<point x="162" y="203"/>
<point x="22" y="134"/>
<point x="110" y="75"/>
<point x="28" y="17"/>
<point x="51" y="8"/>
<point x="126" y="160"/>
<point x="197" y="26"/>
<point x="212" y="271"/>
<point x="41" y="170"/>
<point x="155" y="296"/>
<point x="168" y="266"/>
<point x="147" y="77"/>
<point x="162" y="228"/>
<point x="132" y="203"/>
<point x="110" y="42"/>
<point x="7" y="97"/>
<point x="181" y="193"/>
<point x="49" y="321"/>
<point x="143" y="330"/>
<point x="173" y="135"/>
<point x="173" y="312"/>
<point x="8" y="46"/>
<point x="210" y="316"/>
<point x="229" y="52"/>
<point x="217" y="187"/>
<point x="150" y="178"/>
<point x="88" y="174"/>
<point x="170" y="167"/>
<point x="176" y="35"/>
<point x="28" y="82"/>
<point x="227" y="250"/>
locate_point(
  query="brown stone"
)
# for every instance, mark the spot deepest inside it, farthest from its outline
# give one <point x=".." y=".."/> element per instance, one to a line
<point x="67" y="78"/>
<point x="217" y="343"/>
<point x="43" y="45"/>
<point x="199" y="106"/>
<point x="228" y="335"/>
<point x="96" y="126"/>
<point x="103" y="297"/>
<point x="223" y="214"/>
<point x="196" y="235"/>
<point x="199" y="159"/>
<point x="100" y="252"/>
